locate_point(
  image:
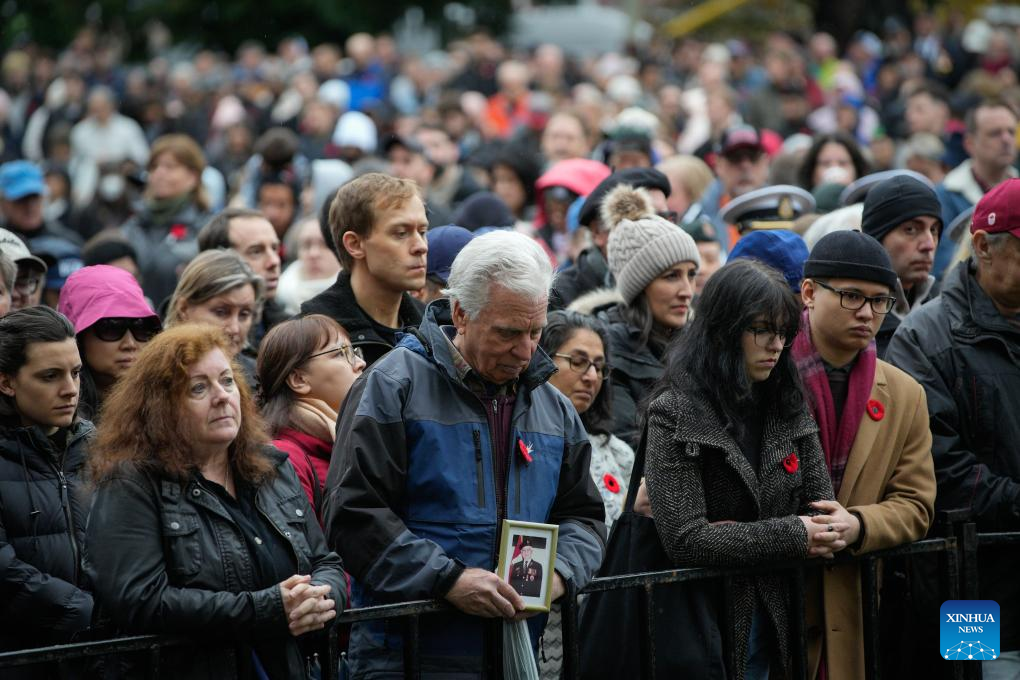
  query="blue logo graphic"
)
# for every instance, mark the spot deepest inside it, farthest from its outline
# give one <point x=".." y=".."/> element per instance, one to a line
<point x="969" y="630"/>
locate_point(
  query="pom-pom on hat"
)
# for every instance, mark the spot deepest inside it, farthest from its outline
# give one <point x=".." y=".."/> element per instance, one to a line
<point x="642" y="245"/>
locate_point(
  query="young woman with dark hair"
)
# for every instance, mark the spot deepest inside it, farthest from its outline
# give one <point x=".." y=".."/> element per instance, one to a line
<point x="833" y="158"/>
<point x="306" y="368"/>
<point x="43" y="499"/>
<point x="733" y="456"/>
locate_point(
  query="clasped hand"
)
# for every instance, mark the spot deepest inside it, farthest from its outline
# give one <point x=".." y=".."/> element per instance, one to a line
<point x="831" y="532"/>
<point x="307" y="607"/>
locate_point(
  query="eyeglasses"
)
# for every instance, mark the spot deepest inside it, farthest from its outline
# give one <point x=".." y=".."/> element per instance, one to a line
<point x="853" y="301"/>
<point x="28" y="285"/>
<point x="112" y="329"/>
<point x="764" y="337"/>
<point x="348" y="352"/>
<point x="581" y="364"/>
<point x="670" y="215"/>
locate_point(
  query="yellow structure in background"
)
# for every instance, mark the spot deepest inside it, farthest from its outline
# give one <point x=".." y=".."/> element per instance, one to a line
<point x="703" y="14"/>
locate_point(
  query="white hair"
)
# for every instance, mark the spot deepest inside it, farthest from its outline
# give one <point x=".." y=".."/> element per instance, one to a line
<point x="504" y="258"/>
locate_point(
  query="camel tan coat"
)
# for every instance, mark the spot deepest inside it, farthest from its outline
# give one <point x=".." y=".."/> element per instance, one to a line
<point x="890" y="484"/>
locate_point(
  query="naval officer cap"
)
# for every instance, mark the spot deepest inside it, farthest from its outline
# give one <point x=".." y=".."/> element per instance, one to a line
<point x="772" y="207"/>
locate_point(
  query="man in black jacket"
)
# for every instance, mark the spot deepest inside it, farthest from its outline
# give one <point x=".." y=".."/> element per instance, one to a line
<point x="591" y="271"/>
<point x="964" y="349"/>
<point x="378" y="225"/>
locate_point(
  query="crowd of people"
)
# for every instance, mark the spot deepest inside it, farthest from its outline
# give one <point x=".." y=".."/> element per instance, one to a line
<point x="284" y="333"/>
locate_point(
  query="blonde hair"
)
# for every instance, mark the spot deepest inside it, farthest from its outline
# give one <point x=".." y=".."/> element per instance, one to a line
<point x="690" y="172"/>
<point x="212" y="273"/>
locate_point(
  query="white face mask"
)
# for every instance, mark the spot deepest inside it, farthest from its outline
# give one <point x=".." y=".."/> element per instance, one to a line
<point x="111" y="187"/>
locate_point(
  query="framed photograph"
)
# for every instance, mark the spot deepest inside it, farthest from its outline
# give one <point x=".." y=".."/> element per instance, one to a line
<point x="527" y="555"/>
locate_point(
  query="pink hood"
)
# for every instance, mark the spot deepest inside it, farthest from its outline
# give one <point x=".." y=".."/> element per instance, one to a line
<point x="101" y="292"/>
<point x="580" y="175"/>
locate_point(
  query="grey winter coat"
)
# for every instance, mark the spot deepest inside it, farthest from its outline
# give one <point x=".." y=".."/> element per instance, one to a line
<point x="712" y="509"/>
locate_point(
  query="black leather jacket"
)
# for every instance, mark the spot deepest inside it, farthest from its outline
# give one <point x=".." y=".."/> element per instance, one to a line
<point x="166" y="557"/>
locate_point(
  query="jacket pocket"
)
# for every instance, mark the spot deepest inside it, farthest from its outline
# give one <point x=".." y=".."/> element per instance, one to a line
<point x="184" y="554"/>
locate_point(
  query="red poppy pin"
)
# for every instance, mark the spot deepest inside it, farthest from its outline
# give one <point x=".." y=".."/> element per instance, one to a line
<point x="612" y="485"/>
<point x="791" y="463"/>
<point x="178" y="232"/>
<point x="525" y="451"/>
<point x="876" y="410"/>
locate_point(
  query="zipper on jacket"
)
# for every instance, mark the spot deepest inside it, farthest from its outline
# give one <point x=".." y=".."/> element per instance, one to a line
<point x="65" y="503"/>
<point x="517" y="481"/>
<point x="479" y="467"/>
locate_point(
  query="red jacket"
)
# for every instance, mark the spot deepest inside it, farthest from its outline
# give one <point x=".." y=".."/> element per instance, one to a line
<point x="310" y="457"/>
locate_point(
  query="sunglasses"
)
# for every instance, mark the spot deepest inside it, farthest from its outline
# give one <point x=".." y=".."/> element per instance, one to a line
<point x="113" y="329"/>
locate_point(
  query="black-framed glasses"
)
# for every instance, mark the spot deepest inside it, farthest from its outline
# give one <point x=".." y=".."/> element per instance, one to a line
<point x="347" y="351"/>
<point x="112" y="329"/>
<point x="853" y="301"/>
<point x="764" y="337"/>
<point x="28" y="285"/>
<point x="581" y="364"/>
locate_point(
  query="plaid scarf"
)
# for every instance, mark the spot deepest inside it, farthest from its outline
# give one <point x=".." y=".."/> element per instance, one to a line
<point x="837" y="438"/>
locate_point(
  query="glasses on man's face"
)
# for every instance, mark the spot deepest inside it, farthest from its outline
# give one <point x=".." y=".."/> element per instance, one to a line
<point x="853" y="300"/>
<point x="113" y="329"/>
<point x="581" y="364"/>
<point x="351" y="354"/>
<point x="27" y="285"/>
<point x="766" y="337"/>
<point x="670" y="215"/>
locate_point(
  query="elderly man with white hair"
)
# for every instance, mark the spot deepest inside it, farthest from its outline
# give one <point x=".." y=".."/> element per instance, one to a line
<point x="446" y="436"/>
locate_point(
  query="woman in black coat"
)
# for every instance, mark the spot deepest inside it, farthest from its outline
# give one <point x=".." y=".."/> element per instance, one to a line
<point x="199" y="528"/>
<point x="734" y="460"/>
<point x="43" y="501"/>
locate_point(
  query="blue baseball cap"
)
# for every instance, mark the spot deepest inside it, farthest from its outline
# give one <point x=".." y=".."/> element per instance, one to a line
<point x="444" y="245"/>
<point x="782" y="250"/>
<point x="21" y="178"/>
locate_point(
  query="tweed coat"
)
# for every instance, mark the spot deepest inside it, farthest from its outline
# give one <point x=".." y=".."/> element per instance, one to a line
<point x="889" y="484"/>
<point x="711" y="507"/>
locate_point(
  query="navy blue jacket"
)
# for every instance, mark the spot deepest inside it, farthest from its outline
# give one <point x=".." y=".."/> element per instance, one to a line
<point x="411" y="500"/>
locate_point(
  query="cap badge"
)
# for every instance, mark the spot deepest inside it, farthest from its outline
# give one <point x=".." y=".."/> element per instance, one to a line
<point x="991" y="219"/>
<point x="785" y="210"/>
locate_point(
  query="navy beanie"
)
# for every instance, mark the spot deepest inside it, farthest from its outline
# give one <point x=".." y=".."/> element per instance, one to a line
<point x="483" y="209"/>
<point x="850" y="255"/>
<point x="895" y="201"/>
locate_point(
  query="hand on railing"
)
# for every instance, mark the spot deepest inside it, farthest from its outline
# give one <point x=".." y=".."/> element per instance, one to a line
<point x="483" y="593"/>
<point x="824" y="540"/>
<point x="837" y="514"/>
<point x="307" y="607"/>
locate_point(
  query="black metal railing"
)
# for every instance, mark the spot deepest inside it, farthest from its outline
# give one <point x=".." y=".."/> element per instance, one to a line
<point x="956" y="548"/>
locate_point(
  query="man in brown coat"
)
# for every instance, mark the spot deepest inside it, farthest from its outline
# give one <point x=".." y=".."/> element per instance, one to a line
<point x="873" y="423"/>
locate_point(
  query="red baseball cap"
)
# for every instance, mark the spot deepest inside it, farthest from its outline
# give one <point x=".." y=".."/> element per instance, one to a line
<point x="999" y="210"/>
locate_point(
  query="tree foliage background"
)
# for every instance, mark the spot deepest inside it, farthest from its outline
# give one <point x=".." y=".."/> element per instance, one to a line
<point x="220" y="23"/>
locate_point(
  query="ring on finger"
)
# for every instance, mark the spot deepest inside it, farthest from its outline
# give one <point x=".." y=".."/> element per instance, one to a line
<point x="830" y="528"/>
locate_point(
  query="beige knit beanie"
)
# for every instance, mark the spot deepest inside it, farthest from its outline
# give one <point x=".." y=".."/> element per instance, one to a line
<point x="642" y="245"/>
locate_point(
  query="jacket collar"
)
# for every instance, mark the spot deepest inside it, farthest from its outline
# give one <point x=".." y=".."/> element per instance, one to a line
<point x="961" y="180"/>
<point x="903" y="306"/>
<point x="35" y="440"/>
<point x="343" y="306"/>
<point x="431" y="342"/>
<point x="977" y="314"/>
